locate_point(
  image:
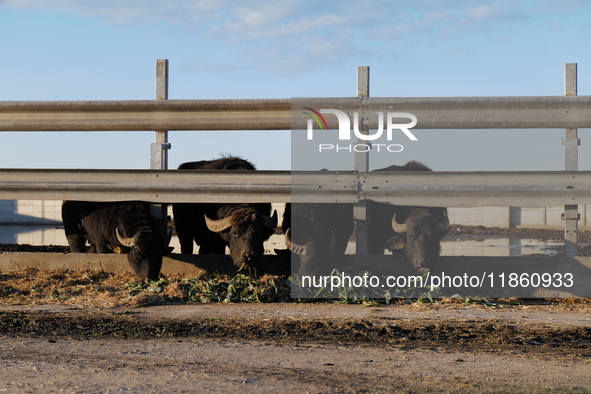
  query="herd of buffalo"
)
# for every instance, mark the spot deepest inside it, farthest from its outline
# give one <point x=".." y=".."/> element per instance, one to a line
<point x="314" y="233"/>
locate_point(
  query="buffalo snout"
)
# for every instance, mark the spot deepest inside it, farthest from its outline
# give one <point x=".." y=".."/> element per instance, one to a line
<point x="253" y="256"/>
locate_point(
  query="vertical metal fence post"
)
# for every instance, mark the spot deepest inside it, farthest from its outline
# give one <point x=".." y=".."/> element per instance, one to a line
<point x="571" y="163"/>
<point x="361" y="164"/>
<point x="159" y="149"/>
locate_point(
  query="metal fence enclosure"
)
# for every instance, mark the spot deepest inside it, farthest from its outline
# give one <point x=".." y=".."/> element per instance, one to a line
<point x="452" y="189"/>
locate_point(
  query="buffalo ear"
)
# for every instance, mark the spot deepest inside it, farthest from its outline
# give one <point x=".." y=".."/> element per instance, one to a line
<point x="396" y="243"/>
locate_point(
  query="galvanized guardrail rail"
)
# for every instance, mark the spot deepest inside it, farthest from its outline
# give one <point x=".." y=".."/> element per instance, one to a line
<point x="275" y="114"/>
<point x="448" y="189"/>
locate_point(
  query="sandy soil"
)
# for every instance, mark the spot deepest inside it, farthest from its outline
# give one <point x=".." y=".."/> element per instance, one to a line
<point x="316" y="348"/>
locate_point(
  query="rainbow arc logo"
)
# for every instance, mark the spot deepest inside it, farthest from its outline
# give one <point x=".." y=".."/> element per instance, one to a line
<point x="317" y="117"/>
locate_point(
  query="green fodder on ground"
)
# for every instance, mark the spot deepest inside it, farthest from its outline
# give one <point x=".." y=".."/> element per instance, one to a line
<point x="101" y="289"/>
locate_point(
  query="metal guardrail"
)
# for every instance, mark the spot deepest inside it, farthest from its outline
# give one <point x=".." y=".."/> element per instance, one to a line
<point x="275" y="114"/>
<point x="145" y="115"/>
<point x="448" y="189"/>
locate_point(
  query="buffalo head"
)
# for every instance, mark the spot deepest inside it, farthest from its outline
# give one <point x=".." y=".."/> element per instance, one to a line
<point x="420" y="236"/>
<point x="144" y="252"/>
<point x="245" y="231"/>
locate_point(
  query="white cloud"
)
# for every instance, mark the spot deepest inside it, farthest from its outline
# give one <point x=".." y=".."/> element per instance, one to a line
<point x="483" y="12"/>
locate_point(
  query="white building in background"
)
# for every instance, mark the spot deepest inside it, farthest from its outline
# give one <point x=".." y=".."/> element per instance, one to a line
<point x="30" y="212"/>
<point x="31" y="222"/>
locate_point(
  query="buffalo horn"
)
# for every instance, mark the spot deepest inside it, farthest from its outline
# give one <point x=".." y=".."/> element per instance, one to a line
<point x="295" y="248"/>
<point x="399" y="228"/>
<point x="124" y="241"/>
<point x="271" y="221"/>
<point x="218" y="226"/>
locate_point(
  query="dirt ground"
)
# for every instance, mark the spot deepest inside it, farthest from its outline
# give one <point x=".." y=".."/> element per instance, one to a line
<point x="315" y="348"/>
<point x="80" y="345"/>
<point x="91" y="332"/>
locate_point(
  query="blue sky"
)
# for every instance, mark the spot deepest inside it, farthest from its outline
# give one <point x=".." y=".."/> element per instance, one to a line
<point x="106" y="50"/>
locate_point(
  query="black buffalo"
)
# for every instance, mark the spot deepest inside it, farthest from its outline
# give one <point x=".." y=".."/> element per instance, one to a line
<point x="416" y="230"/>
<point x="316" y="233"/>
<point x="213" y="226"/>
<point x="122" y="227"/>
